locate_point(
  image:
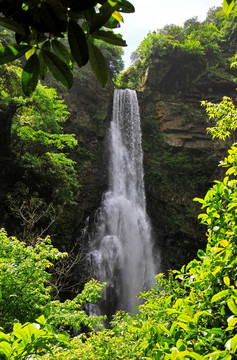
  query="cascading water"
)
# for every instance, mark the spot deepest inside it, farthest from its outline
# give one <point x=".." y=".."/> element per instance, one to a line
<point x="121" y="246"/>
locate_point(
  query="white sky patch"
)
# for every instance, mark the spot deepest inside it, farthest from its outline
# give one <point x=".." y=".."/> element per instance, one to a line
<point x="155" y="14"/>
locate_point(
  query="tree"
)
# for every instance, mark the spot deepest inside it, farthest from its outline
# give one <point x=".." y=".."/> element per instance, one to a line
<point x="26" y="290"/>
<point x="40" y="27"/>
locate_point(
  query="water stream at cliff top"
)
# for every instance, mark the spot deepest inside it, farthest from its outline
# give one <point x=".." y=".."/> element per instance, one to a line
<point x="121" y="246"/>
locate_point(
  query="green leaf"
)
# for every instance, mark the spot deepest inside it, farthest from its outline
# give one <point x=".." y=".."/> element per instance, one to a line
<point x="181" y="346"/>
<point x="42" y="66"/>
<point x="199" y="314"/>
<point x="201" y="201"/>
<point x="195" y="355"/>
<point x="6" y="349"/>
<point x="100" y="19"/>
<point x="232" y="306"/>
<point x="164" y="329"/>
<point x="231" y="344"/>
<point x="78" y="43"/>
<point x="30" y="52"/>
<point x="98" y="64"/>
<point x="46" y="46"/>
<point x="4" y="336"/>
<point x="234" y="344"/>
<point x="232" y="322"/>
<point x="30" y="74"/>
<point x="20" y="333"/>
<point x="12" y="25"/>
<point x="183" y="325"/>
<point x="61" y="51"/>
<point x="117" y="16"/>
<point x="58" y="68"/>
<point x="112" y="23"/>
<point x="63" y="338"/>
<point x="12" y="52"/>
<point x="217" y="353"/>
<point x="220" y="295"/>
<point x="41" y="320"/>
<point x="185" y="318"/>
<point x="110" y="37"/>
<point x="126" y="7"/>
<point x="226" y="280"/>
<point x="228" y="6"/>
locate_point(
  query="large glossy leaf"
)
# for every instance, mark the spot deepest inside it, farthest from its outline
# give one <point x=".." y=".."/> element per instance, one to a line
<point x="12" y="25"/>
<point x="46" y="46"/>
<point x="78" y="43"/>
<point x="110" y="37"/>
<point x="112" y="23"/>
<point x="126" y="6"/>
<point x="12" y="52"/>
<point x="102" y="16"/>
<point x="58" y="68"/>
<point x="116" y="15"/>
<point x="30" y="75"/>
<point x="43" y="68"/>
<point x="30" y="52"/>
<point x="98" y="64"/>
<point x="61" y="51"/>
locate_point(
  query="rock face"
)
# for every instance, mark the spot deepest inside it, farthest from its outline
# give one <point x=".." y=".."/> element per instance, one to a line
<point x="90" y="108"/>
<point x="180" y="159"/>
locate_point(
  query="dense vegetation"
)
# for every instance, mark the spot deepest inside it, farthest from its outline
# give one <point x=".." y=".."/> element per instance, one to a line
<point x="212" y="42"/>
<point x="188" y="314"/>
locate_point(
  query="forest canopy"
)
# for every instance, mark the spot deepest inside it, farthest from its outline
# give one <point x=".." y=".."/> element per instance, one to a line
<point x="212" y="41"/>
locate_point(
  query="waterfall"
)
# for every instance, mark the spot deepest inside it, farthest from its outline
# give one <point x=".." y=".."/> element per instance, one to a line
<point x="121" y="245"/>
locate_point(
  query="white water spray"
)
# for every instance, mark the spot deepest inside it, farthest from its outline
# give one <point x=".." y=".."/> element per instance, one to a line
<point x="121" y="247"/>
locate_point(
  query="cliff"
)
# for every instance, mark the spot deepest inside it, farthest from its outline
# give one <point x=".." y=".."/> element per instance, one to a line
<point x="180" y="159"/>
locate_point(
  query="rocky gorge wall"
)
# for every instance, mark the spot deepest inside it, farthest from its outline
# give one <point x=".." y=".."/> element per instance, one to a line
<point x="90" y="108"/>
<point x="180" y="159"/>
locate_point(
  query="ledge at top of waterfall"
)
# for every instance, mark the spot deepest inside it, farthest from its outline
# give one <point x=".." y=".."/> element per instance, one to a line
<point x="121" y="245"/>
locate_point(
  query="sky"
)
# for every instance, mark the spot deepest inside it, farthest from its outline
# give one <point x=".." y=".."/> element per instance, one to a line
<point x="155" y="14"/>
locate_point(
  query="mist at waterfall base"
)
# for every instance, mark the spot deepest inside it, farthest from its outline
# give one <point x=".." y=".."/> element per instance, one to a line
<point x="120" y="247"/>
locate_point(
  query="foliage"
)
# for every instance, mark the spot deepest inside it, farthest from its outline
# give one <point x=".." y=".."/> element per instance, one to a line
<point x="37" y="136"/>
<point x="113" y="56"/>
<point x="225" y="116"/>
<point x="24" y="278"/>
<point x="228" y="6"/>
<point x="205" y="41"/>
<point x="27" y="289"/>
<point x="36" y="338"/>
<point x="40" y="26"/>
